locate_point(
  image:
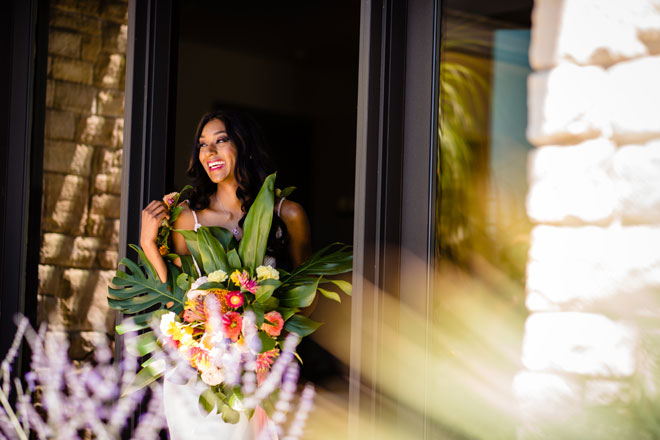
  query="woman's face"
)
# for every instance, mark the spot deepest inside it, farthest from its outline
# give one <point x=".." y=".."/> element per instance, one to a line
<point x="216" y="152"/>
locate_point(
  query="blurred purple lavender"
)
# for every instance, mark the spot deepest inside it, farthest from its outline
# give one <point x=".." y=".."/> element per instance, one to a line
<point x="73" y="399"/>
<point x="64" y="400"/>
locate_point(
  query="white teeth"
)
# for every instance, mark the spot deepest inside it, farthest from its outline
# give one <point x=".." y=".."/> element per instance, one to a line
<point x="216" y="163"/>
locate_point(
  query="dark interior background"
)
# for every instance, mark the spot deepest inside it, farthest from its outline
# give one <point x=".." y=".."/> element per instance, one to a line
<point x="293" y="66"/>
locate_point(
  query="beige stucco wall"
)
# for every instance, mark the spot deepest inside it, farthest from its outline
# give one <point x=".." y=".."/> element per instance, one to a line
<point x="82" y="166"/>
<point x="591" y="344"/>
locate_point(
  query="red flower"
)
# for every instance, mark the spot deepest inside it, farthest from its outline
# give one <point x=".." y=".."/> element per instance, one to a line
<point x="234" y="299"/>
<point x="275" y="328"/>
<point x="232" y="322"/>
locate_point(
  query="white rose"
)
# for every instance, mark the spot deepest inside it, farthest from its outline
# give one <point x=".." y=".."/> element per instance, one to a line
<point x="194" y="293"/>
<point x="267" y="273"/>
<point x="218" y="276"/>
<point x="198" y="282"/>
<point x="213" y="375"/>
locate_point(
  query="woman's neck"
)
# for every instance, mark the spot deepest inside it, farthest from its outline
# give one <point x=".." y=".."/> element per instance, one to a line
<point x="225" y="198"/>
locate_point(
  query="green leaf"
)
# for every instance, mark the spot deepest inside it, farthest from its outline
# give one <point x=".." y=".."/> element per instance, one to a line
<point x="174" y="214"/>
<point x="271" y="303"/>
<point x="224" y="236"/>
<point x="287" y="312"/>
<point x="267" y="343"/>
<point x="286" y="192"/>
<point x="230" y="415"/>
<point x="211" y="285"/>
<point x="299" y="296"/>
<point x="264" y="292"/>
<point x="333" y="259"/>
<point x="192" y="244"/>
<point x="330" y="295"/>
<point x="345" y="286"/>
<point x="301" y="325"/>
<point x="188" y="266"/>
<point x="142" y="345"/>
<point x="183" y="281"/>
<point x="145" y="376"/>
<point x="134" y="323"/>
<point x="258" y="310"/>
<point x="210" y="400"/>
<point x="212" y="252"/>
<point x="252" y="247"/>
<point x="233" y="259"/>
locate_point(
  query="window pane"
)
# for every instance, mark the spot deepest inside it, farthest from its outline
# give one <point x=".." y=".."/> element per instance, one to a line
<point x="482" y="229"/>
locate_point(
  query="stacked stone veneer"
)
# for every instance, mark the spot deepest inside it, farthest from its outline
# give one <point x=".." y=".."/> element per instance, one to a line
<point x="82" y="167"/>
<point x="591" y="344"/>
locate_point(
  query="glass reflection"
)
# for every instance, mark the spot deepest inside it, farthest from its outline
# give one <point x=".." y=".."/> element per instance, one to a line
<point x="482" y="229"/>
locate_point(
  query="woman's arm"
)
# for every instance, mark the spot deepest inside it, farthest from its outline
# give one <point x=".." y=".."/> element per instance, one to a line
<point x="297" y="225"/>
<point x="152" y="216"/>
<point x="300" y="241"/>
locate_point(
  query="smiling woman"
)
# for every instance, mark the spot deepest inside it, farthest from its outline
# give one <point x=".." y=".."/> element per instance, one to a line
<point x="227" y="166"/>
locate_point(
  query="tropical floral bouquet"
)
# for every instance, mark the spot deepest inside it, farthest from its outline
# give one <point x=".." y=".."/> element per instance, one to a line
<point x="231" y="315"/>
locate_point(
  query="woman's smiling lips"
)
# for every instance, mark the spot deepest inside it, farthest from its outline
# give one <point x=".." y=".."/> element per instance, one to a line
<point x="215" y="164"/>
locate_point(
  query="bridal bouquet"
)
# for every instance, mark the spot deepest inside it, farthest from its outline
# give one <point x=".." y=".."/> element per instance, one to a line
<point x="223" y="311"/>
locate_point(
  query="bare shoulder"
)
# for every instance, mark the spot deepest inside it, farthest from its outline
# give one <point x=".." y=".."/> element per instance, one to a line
<point x="185" y="220"/>
<point x="293" y="213"/>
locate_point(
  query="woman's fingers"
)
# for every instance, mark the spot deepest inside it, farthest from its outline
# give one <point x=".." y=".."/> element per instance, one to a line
<point x="156" y="209"/>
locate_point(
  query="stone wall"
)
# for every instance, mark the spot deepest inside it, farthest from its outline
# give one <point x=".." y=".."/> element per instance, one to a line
<point x="82" y="167"/>
<point x="591" y="343"/>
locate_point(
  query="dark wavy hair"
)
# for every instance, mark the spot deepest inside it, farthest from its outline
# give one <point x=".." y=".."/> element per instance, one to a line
<point x="252" y="161"/>
<point x="252" y="166"/>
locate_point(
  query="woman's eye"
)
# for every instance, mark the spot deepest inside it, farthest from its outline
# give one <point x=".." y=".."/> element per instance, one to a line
<point x="221" y="140"/>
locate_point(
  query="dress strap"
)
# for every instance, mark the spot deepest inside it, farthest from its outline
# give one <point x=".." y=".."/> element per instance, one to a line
<point x="279" y="206"/>
<point x="197" y="223"/>
<point x="197" y="226"/>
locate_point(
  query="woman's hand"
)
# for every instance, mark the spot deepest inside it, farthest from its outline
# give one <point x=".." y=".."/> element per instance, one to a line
<point x="152" y="216"/>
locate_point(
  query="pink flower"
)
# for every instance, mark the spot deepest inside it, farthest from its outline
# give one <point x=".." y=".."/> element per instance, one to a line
<point x="275" y="328"/>
<point x="264" y="362"/>
<point x="243" y="280"/>
<point x="232" y="322"/>
<point x="234" y="299"/>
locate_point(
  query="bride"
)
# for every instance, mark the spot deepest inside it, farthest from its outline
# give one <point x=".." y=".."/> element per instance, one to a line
<point x="228" y="165"/>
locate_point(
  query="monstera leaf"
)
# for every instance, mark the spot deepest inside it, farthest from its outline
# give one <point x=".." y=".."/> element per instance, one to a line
<point x="135" y="291"/>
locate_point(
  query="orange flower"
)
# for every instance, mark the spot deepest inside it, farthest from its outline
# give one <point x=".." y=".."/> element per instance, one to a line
<point x="275" y="328"/>
<point x="232" y="323"/>
<point x="164" y="250"/>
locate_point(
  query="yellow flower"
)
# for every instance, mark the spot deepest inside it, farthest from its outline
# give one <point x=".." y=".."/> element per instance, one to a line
<point x="181" y="332"/>
<point x="234" y="277"/>
<point x="267" y="273"/>
<point x="217" y="277"/>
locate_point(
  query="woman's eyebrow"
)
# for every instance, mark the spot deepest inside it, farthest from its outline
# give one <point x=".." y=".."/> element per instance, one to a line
<point x="217" y="132"/>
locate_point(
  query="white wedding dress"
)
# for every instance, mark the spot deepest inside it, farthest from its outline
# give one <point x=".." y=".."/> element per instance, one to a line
<point x="186" y="421"/>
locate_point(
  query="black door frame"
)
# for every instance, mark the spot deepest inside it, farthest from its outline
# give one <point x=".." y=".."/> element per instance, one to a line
<point x="395" y="199"/>
<point x="24" y="44"/>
